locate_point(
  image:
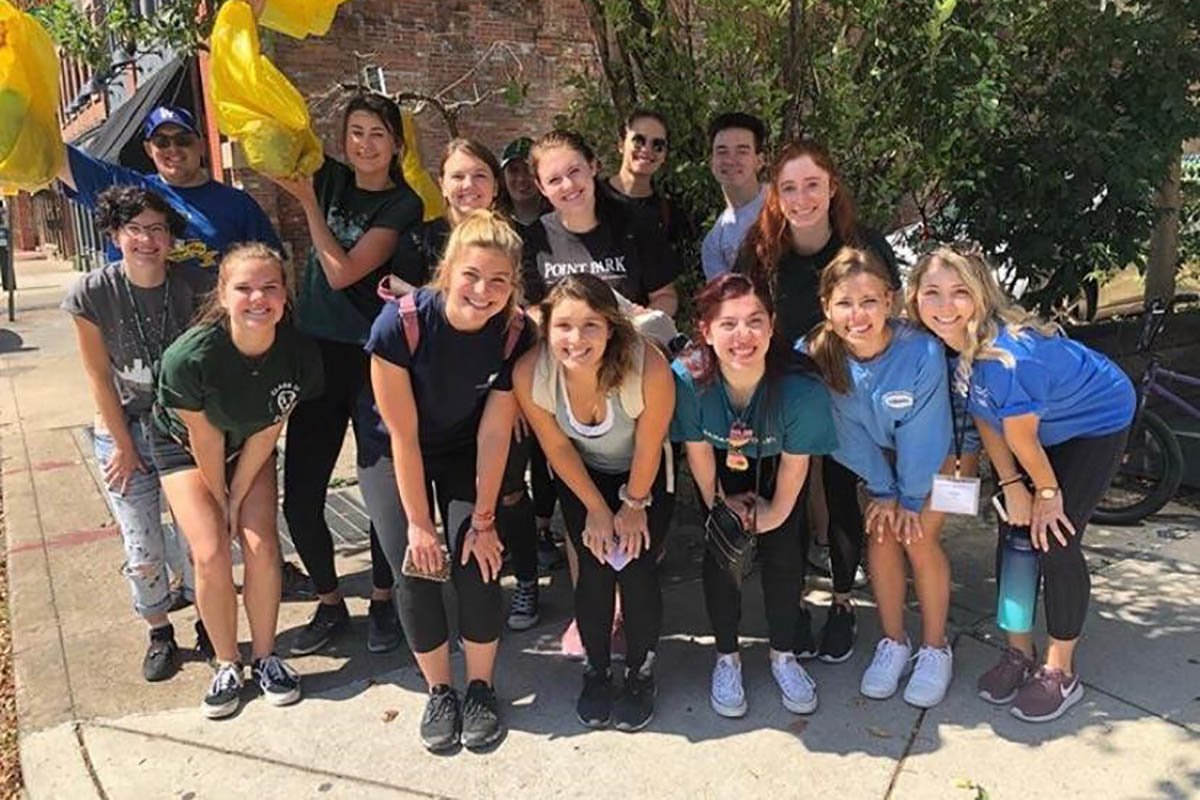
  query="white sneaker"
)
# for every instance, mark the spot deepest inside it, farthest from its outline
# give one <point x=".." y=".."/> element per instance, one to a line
<point x="883" y="676"/>
<point x="931" y="677"/>
<point x="728" y="698"/>
<point x="797" y="690"/>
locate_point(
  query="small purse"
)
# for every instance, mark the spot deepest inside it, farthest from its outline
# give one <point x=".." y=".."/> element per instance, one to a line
<point x="726" y="538"/>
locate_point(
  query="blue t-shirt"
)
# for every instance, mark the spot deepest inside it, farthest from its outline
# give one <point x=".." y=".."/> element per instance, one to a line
<point x="797" y="418"/>
<point x="1073" y="390"/>
<point x="217" y="215"/>
<point x="719" y="251"/>
<point x="893" y="426"/>
<point x="452" y="372"/>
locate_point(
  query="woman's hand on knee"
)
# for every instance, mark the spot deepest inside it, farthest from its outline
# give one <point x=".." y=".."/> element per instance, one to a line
<point x="1047" y="518"/>
<point x="598" y="532"/>
<point x="907" y="526"/>
<point x="487" y="548"/>
<point x="880" y="518"/>
<point x="425" y="547"/>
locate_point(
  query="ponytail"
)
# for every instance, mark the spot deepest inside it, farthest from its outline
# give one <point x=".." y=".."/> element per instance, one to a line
<point x="829" y="353"/>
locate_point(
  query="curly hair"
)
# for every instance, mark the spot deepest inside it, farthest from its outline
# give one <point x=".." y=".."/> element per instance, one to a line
<point x="118" y="205"/>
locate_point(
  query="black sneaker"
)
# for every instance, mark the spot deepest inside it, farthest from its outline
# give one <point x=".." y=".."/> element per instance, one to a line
<point x="224" y="693"/>
<point x="837" y="637"/>
<point x="523" y="613"/>
<point x="204" y="645"/>
<point x="549" y="556"/>
<point x="162" y="656"/>
<point x="280" y="683"/>
<point x="594" y="707"/>
<point x="329" y="619"/>
<point x="481" y="725"/>
<point x="383" y="627"/>
<point x="804" y="646"/>
<point x="441" y="724"/>
<point x="296" y="585"/>
<point x="635" y="702"/>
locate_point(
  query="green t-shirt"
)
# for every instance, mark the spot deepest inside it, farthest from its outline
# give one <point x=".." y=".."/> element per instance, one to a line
<point x="798" y="419"/>
<point x="240" y="395"/>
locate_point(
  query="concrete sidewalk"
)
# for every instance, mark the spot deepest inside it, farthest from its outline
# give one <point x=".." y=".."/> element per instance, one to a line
<point x="90" y="727"/>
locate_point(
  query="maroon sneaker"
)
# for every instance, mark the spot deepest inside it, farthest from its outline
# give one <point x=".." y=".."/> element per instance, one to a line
<point x="1000" y="684"/>
<point x="1047" y="695"/>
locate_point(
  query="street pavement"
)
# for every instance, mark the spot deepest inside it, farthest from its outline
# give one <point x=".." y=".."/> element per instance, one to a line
<point x="90" y="727"/>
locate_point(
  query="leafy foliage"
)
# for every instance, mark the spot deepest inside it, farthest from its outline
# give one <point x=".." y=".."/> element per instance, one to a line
<point x="1038" y="128"/>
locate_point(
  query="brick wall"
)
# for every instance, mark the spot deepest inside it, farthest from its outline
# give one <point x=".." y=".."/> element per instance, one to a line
<point x="423" y="46"/>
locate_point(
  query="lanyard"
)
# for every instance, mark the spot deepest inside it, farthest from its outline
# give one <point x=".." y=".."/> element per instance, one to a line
<point x="152" y="358"/>
<point x="960" y="428"/>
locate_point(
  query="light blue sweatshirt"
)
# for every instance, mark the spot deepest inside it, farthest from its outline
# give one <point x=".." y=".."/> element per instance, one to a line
<point x="899" y="401"/>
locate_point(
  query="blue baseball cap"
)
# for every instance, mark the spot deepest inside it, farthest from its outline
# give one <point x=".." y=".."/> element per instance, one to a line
<point x="173" y="115"/>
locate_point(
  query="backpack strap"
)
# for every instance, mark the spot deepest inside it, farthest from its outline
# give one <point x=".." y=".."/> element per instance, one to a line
<point x="516" y="324"/>
<point x="406" y="309"/>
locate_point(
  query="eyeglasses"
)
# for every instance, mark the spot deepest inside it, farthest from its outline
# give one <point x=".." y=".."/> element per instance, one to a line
<point x="656" y="144"/>
<point x="163" y="140"/>
<point x="138" y="231"/>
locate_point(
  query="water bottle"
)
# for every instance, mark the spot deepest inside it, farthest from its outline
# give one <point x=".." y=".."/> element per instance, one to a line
<point x="1018" y="582"/>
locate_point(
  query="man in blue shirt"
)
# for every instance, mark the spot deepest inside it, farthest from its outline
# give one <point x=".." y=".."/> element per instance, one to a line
<point x="737" y="157"/>
<point x="217" y="215"/>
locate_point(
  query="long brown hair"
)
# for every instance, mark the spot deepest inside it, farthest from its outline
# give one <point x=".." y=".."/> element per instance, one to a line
<point x="824" y="345"/>
<point x="700" y="358"/>
<point x="213" y="313"/>
<point x="480" y="152"/>
<point x="619" y="351"/>
<point x="769" y="237"/>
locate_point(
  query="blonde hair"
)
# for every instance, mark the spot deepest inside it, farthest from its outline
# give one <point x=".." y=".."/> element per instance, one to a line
<point x="824" y="345"/>
<point x="481" y="228"/>
<point x="993" y="308"/>
<point x="213" y="313"/>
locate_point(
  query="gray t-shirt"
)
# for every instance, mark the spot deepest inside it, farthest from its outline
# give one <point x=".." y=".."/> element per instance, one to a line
<point x="106" y="299"/>
<point x="719" y="251"/>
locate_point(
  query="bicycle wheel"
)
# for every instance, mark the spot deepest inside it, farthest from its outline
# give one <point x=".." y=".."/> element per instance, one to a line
<point x="1150" y="472"/>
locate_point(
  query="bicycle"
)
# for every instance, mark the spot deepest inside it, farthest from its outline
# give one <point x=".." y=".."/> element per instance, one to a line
<point x="1152" y="467"/>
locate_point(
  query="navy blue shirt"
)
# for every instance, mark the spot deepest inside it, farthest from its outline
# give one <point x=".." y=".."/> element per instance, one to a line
<point x="1073" y="390"/>
<point x="217" y="215"/>
<point x="451" y="371"/>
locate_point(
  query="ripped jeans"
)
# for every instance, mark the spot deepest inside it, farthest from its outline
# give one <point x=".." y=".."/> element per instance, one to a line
<point x="150" y="548"/>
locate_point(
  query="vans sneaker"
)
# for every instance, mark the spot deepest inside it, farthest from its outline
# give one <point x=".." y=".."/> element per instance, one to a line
<point x="882" y="677"/>
<point x="930" y="677"/>
<point x="523" y="613"/>
<point x="280" y="683"/>
<point x="224" y="693"/>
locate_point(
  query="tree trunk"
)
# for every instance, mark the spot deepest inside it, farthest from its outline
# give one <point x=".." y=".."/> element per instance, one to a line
<point x="613" y="61"/>
<point x="1163" y="261"/>
<point x="791" y="70"/>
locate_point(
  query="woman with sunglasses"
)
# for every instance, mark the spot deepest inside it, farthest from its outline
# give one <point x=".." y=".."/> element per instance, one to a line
<point x="750" y="416"/>
<point x="125" y="316"/>
<point x="643" y="147"/>
<point x="807" y="216"/>
<point x="364" y="222"/>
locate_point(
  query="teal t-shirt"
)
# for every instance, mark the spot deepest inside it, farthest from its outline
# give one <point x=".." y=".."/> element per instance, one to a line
<point x="240" y="395"/>
<point x="797" y="418"/>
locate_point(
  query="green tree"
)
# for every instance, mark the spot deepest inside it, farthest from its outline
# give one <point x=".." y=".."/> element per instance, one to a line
<point x="1038" y="128"/>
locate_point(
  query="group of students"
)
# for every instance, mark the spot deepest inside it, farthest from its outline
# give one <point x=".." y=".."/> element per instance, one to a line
<point x="508" y="336"/>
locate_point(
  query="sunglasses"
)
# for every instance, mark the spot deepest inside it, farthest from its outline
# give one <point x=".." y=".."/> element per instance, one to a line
<point x="656" y="144"/>
<point x="162" y="140"/>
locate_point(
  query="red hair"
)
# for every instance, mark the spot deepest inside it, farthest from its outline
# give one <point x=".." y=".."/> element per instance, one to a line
<point x="699" y="358"/>
<point x="769" y="236"/>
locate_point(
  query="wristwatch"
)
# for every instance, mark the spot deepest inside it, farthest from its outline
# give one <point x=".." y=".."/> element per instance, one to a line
<point x="1048" y="492"/>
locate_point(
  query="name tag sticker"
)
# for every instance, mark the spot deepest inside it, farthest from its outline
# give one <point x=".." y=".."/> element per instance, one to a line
<point x="955" y="495"/>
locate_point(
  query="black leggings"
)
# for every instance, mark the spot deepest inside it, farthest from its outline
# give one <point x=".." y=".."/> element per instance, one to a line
<point x="845" y="523"/>
<point x="541" y="482"/>
<point x="315" y="432"/>
<point x="1084" y="468"/>
<point x="782" y="553"/>
<point x="641" y="596"/>
<point x="515" y="520"/>
<point x="422" y="609"/>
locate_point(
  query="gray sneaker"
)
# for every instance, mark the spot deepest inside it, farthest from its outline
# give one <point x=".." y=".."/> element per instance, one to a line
<point x="1001" y="683"/>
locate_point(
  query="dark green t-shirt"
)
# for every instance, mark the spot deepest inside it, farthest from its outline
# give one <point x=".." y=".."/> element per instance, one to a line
<point x="240" y="395"/>
<point x="797" y="418"/>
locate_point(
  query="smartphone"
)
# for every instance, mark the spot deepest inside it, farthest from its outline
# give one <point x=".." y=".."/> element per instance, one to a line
<point x="998" y="504"/>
